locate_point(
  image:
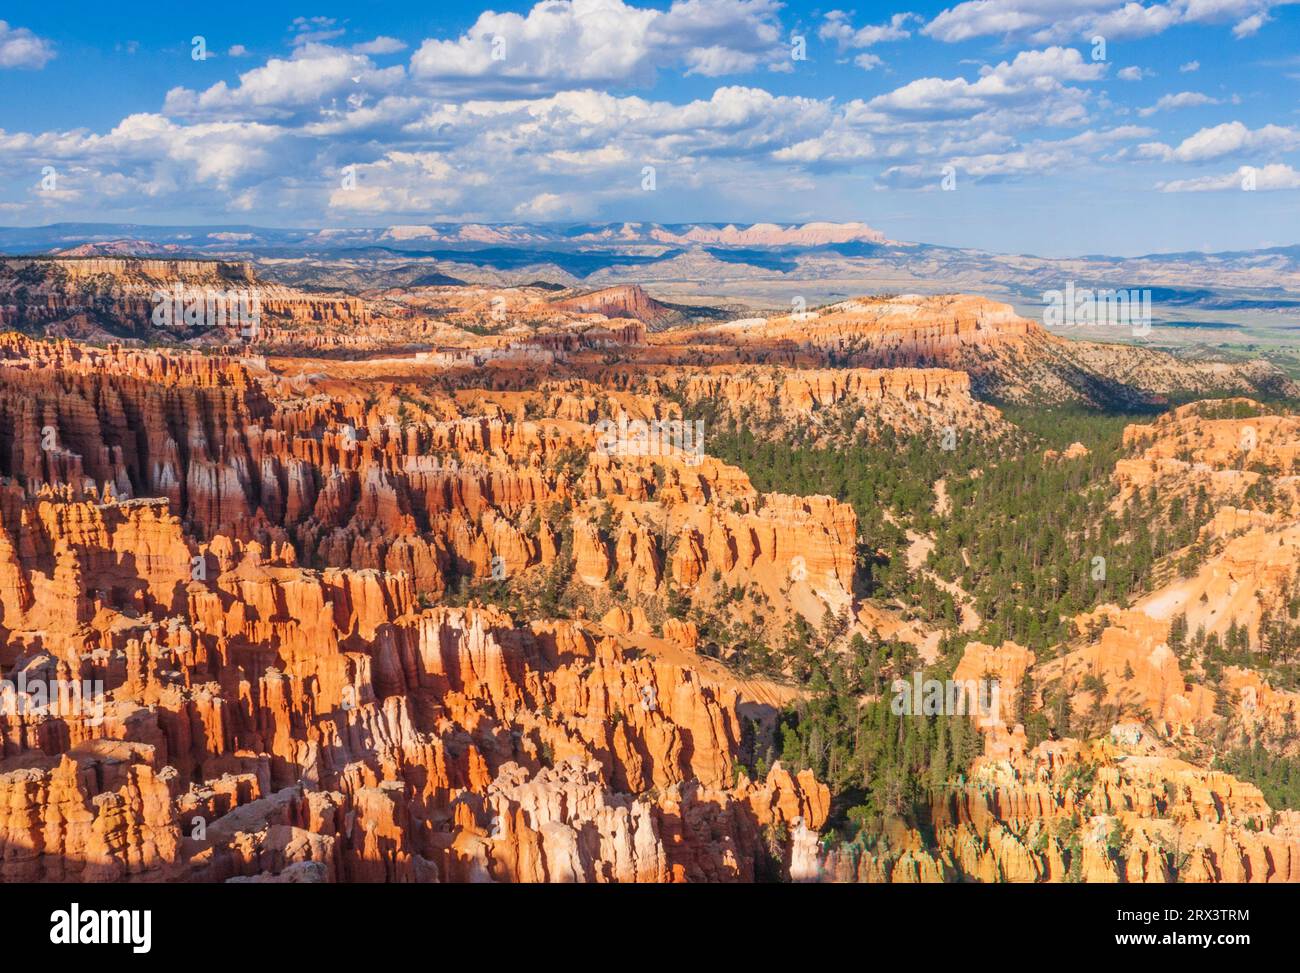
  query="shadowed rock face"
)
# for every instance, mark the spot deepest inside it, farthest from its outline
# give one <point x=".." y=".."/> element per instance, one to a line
<point x="259" y="716"/>
<point x="107" y="298"/>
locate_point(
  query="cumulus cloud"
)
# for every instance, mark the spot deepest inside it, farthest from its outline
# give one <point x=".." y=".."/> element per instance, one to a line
<point x="552" y="206"/>
<point x="404" y="182"/>
<point x="1032" y="78"/>
<point x="983" y="18"/>
<point x="1230" y="138"/>
<point x="836" y="27"/>
<point x="20" y="48"/>
<point x="840" y="146"/>
<point x="148" y="157"/>
<point x="1047" y="155"/>
<point x="1060" y="63"/>
<point x="554" y="128"/>
<point x="325" y="128"/>
<point x="1265" y="179"/>
<point x="562" y="44"/>
<point x="1035" y="158"/>
<point x="1043" y="21"/>
<point x="718" y="60"/>
<point x="282" y="86"/>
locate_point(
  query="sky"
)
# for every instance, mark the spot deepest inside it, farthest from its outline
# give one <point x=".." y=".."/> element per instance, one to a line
<point x="1051" y="127"/>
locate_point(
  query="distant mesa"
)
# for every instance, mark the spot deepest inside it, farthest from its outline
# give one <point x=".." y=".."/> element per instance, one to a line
<point x="624" y="302"/>
<point x="817" y="234"/>
<point x="774" y="235"/>
<point x="121" y="248"/>
<point x="1010" y="358"/>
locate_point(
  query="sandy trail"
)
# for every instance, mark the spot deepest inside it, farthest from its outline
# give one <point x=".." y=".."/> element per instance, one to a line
<point x="918" y="552"/>
<point x="942" y="502"/>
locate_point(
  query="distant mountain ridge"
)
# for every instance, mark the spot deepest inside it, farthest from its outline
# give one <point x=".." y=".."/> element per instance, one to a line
<point x="819" y="261"/>
<point x="62" y="236"/>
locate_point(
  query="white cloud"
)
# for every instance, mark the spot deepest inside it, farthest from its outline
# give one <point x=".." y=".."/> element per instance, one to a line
<point x="1032" y="80"/>
<point x="1183" y="99"/>
<point x="1131" y="74"/>
<point x="1189" y="67"/>
<point x="835" y="147"/>
<point x="717" y="60"/>
<point x="283" y="85"/>
<point x="1021" y="161"/>
<point x="589" y="159"/>
<point x="1250" y="26"/>
<point x="403" y="182"/>
<point x="1226" y="139"/>
<point x="316" y="30"/>
<point x="574" y="43"/>
<point x="1045" y="156"/>
<point x="380" y="45"/>
<point x="1265" y="179"/>
<point x="551" y="206"/>
<point x="1044" y="21"/>
<point x="1126" y="21"/>
<point x="20" y="48"/>
<point x="1060" y="63"/>
<point x="836" y="27"/>
<point x="983" y="18"/>
<point x="549" y="132"/>
<point x="914" y="176"/>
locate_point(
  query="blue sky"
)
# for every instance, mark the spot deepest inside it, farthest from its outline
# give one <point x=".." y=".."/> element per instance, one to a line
<point x="393" y="113"/>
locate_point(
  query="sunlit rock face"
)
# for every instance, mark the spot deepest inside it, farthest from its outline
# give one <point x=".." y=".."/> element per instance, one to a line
<point x="394" y="592"/>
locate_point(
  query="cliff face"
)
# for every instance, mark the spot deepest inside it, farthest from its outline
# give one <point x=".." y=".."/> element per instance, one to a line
<point x="1143" y="705"/>
<point x="624" y="301"/>
<point x="1204" y="447"/>
<point x="1117" y="810"/>
<point x="257" y="718"/>
<point x="1237" y="466"/>
<point x="257" y="587"/>
<point x="847" y="403"/>
<point x="1116" y="804"/>
<point x="112" y="297"/>
<point x="1007" y="356"/>
<point x="266" y="716"/>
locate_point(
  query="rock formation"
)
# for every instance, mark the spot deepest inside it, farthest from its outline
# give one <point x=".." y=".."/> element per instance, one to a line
<point x="462" y="610"/>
